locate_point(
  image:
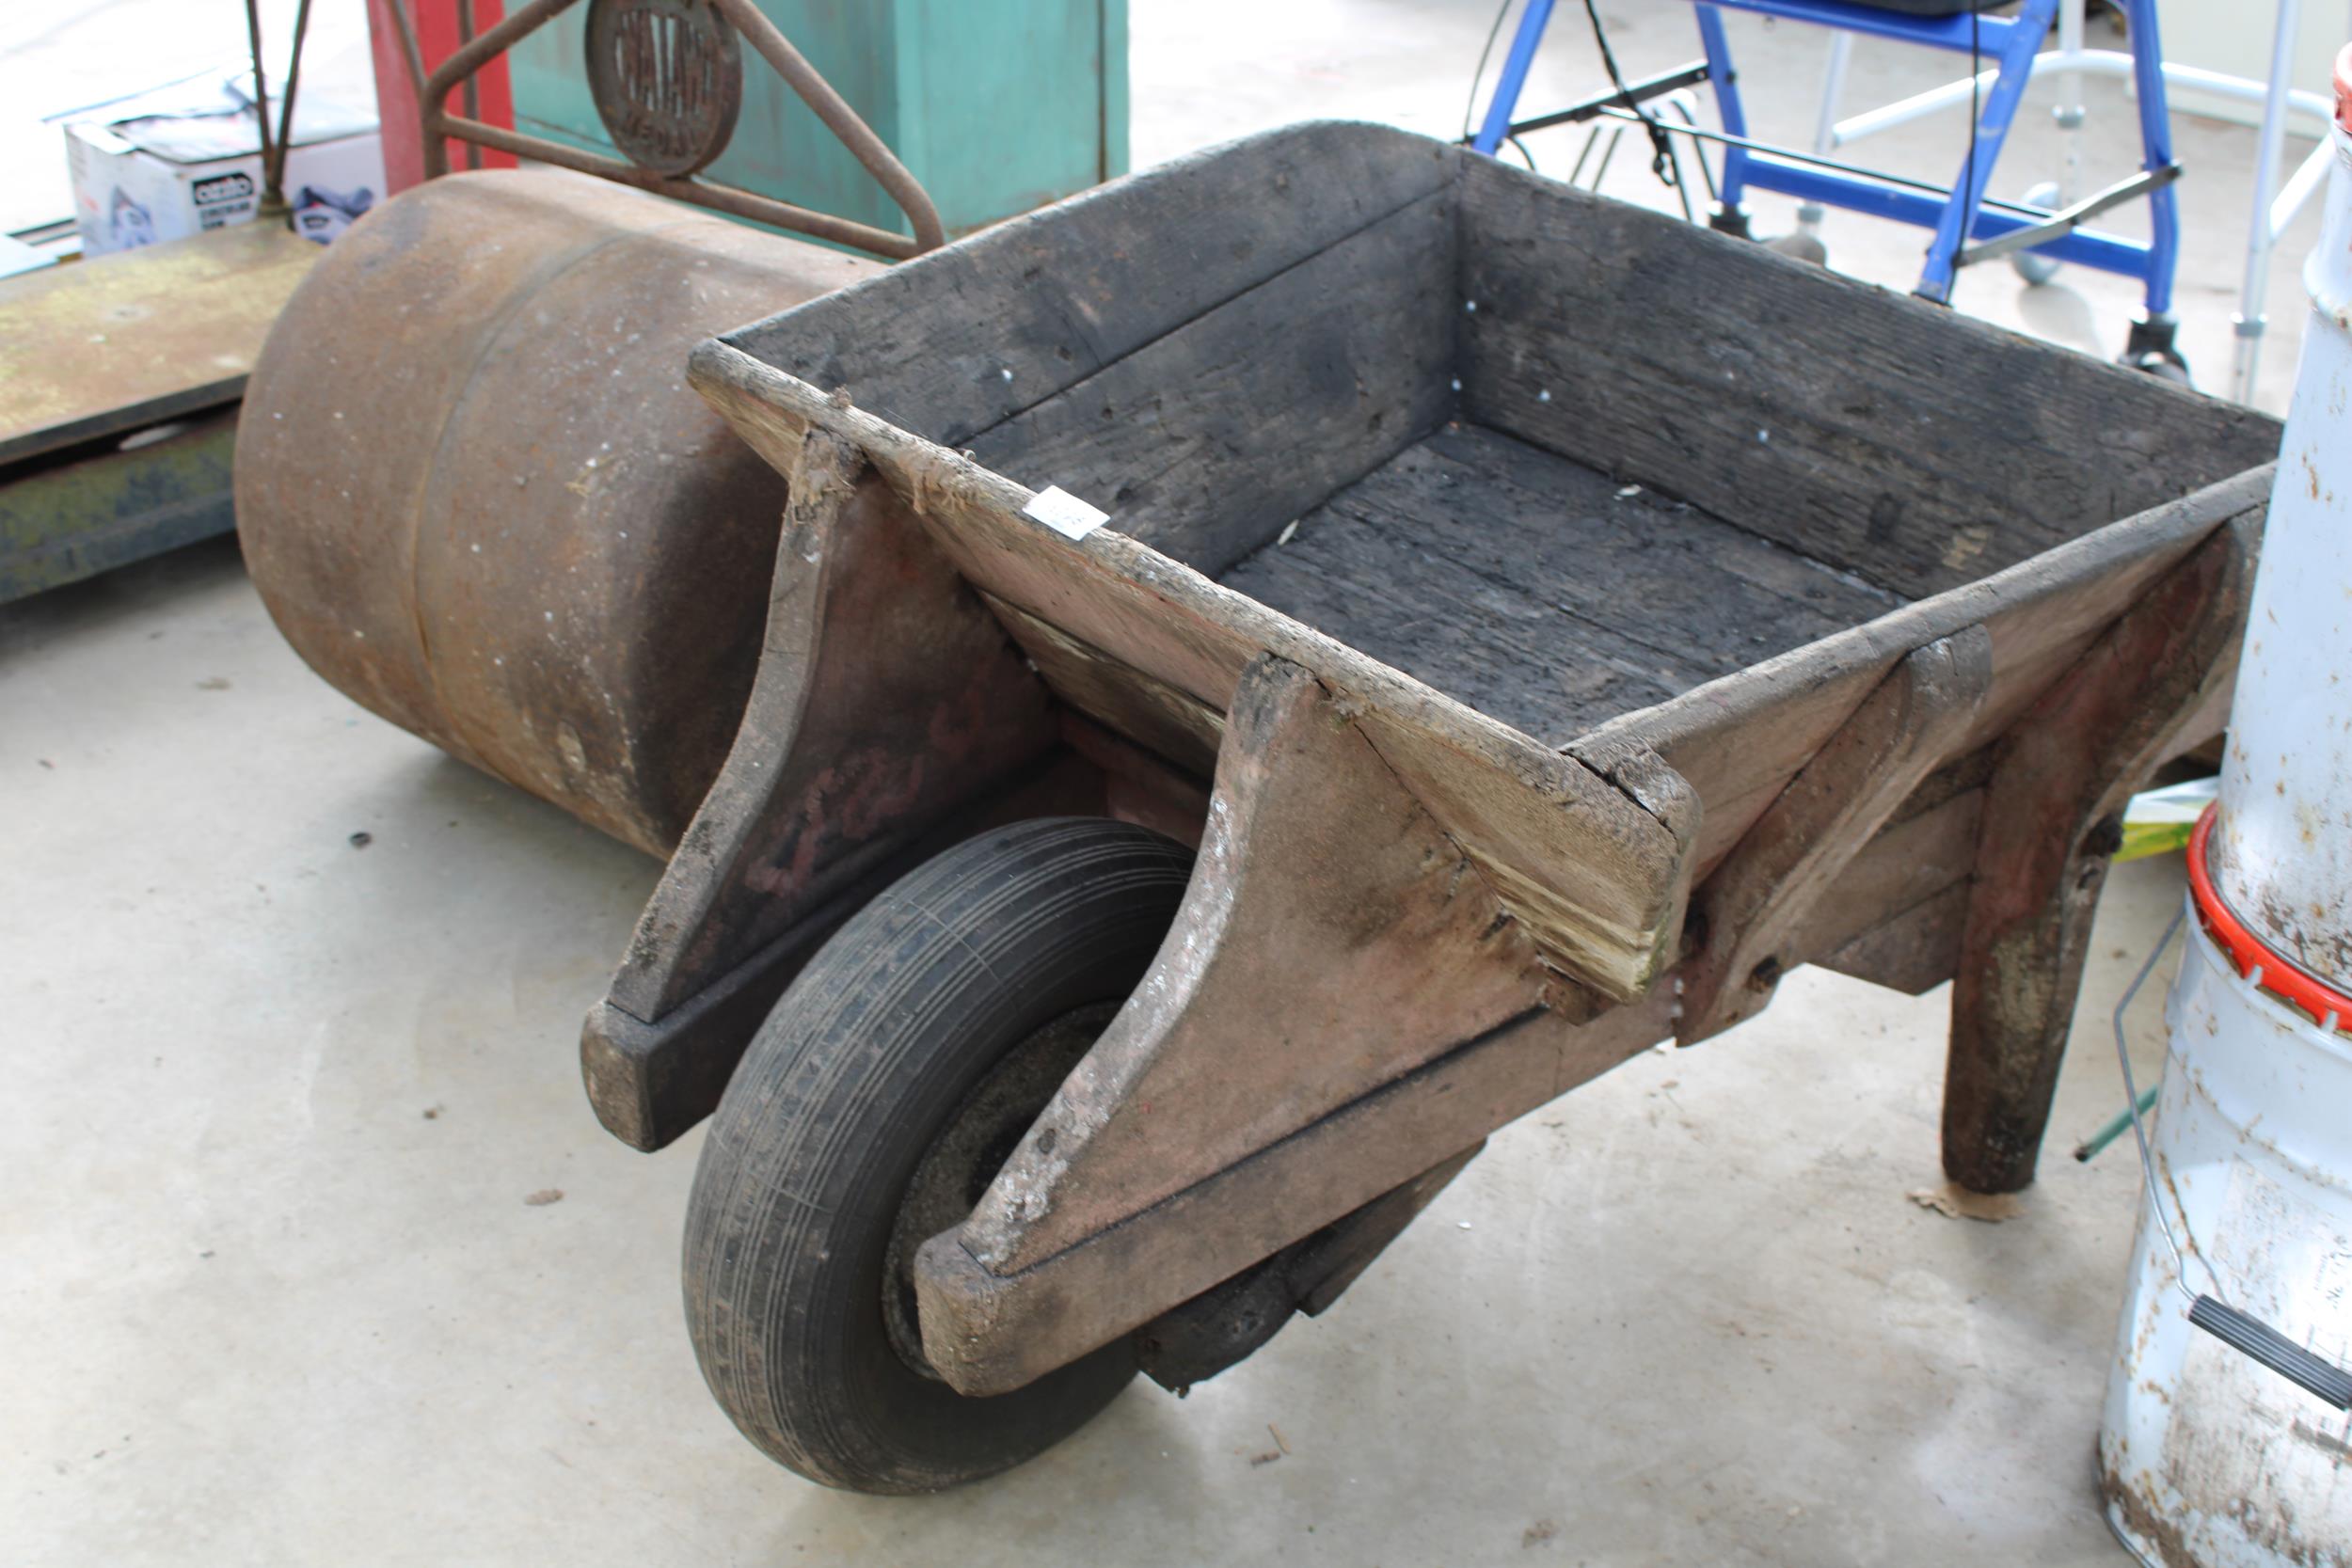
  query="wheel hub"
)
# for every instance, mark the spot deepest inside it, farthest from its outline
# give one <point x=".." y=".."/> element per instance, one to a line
<point x="969" y="1151"/>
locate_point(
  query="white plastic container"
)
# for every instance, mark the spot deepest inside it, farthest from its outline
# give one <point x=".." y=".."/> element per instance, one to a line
<point x="2207" y="1457"/>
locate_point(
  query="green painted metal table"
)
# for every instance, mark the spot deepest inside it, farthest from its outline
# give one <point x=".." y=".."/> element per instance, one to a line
<point x="120" y="380"/>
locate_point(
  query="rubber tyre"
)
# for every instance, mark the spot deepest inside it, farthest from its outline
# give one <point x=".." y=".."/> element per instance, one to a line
<point x="889" y="1034"/>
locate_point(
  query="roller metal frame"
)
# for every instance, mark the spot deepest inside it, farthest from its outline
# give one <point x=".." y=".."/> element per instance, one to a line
<point x="441" y="127"/>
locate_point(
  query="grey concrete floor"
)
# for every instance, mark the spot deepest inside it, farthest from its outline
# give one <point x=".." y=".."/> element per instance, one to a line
<point x="271" y="1291"/>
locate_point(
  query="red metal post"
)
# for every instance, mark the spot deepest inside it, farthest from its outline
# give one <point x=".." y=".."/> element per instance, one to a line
<point x="437" y="32"/>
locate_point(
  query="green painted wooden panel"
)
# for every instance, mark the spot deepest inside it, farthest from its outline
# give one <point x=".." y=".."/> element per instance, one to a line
<point x="995" y="105"/>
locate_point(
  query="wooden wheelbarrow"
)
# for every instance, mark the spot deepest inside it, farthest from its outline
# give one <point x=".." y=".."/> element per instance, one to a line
<point x="1549" y="623"/>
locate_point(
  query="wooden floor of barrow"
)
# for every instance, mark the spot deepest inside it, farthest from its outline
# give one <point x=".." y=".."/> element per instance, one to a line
<point x="1543" y="593"/>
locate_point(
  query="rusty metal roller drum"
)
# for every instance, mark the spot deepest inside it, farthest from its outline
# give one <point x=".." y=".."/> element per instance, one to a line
<point x="478" y="497"/>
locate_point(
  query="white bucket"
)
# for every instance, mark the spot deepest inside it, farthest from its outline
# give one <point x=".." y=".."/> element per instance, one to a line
<point x="2206" y="1457"/>
<point x="2282" y="845"/>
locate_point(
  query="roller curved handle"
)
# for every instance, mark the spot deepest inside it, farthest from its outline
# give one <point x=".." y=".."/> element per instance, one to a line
<point x="441" y="127"/>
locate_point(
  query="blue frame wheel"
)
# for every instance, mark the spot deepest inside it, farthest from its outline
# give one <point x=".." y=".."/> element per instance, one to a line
<point x="2150" y="350"/>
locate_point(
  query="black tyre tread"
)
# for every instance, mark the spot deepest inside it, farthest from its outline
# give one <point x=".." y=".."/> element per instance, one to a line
<point x="863" y="1060"/>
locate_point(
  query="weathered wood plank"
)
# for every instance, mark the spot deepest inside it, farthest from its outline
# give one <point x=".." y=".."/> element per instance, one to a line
<point x="1022" y="1326"/>
<point x="1902" y="442"/>
<point x="1205" y="441"/>
<point x="887" y="695"/>
<point x="960" y="340"/>
<point x="1332" y="938"/>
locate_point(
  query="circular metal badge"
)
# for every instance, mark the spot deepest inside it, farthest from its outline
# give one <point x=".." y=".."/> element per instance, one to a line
<point x="667" y="77"/>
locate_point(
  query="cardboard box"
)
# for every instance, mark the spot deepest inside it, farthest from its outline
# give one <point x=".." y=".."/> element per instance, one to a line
<point x="188" y="158"/>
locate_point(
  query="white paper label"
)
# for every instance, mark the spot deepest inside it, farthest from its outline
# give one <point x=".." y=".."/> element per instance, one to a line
<point x="1064" y="512"/>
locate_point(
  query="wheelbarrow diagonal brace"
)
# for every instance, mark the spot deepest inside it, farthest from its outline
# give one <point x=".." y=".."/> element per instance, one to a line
<point x="1757" y="901"/>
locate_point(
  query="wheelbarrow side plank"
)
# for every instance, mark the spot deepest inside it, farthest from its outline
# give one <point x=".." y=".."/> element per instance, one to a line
<point x="1333" y="939"/>
<point x="1911" y="446"/>
<point x="987" y="1334"/>
<point x="1596" y="876"/>
<point x="971" y="336"/>
<point x="1330" y="980"/>
<point x="888" y="698"/>
<point x="1739" y="740"/>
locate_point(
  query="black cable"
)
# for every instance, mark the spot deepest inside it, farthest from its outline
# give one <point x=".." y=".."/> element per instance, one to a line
<point x="1661" y="162"/>
<point x="1969" y="174"/>
<point x="1471" y="107"/>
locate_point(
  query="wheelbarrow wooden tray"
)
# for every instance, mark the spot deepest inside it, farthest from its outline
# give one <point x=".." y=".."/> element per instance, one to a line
<point x="1553" y="621"/>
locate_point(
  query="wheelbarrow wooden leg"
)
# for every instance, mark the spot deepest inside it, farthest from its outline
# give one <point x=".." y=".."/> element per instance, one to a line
<point x="2061" y="777"/>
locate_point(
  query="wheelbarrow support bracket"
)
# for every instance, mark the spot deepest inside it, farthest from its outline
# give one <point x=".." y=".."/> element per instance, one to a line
<point x="1342" y="1004"/>
<point x="888" y="706"/>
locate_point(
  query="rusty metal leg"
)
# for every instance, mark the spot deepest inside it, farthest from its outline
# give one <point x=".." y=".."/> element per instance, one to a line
<point x="1758" y="898"/>
<point x="2061" y="777"/>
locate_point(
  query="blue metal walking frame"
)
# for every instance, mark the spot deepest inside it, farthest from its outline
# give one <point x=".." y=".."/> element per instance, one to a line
<point x="2008" y="44"/>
